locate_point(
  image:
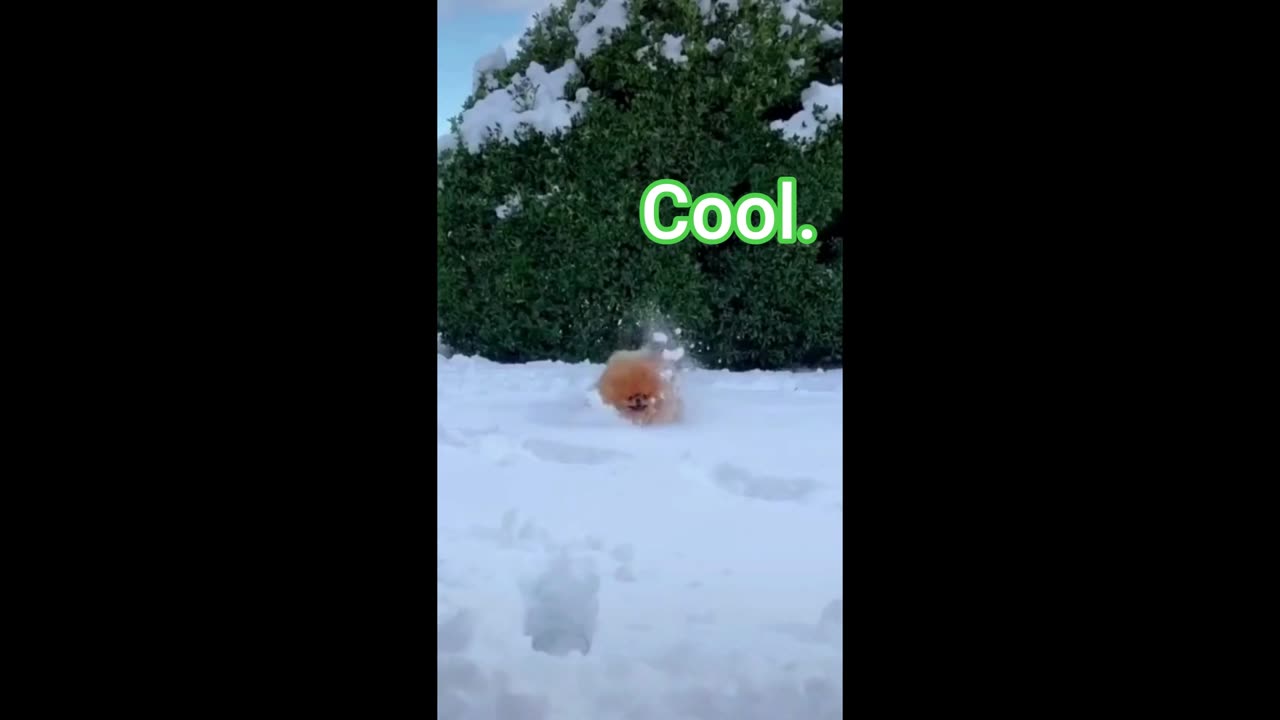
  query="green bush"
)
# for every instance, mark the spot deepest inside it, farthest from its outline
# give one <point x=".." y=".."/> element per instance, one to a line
<point x="571" y="276"/>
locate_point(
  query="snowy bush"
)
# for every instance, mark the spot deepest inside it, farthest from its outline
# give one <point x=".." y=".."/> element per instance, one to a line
<point x="541" y="255"/>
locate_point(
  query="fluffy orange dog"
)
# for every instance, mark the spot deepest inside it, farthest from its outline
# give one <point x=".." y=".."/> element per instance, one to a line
<point x="633" y="383"/>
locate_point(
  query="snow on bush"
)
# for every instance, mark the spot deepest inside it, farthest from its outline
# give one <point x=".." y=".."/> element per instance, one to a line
<point x="822" y="105"/>
<point x="535" y="100"/>
<point x="601" y="98"/>
<point x="594" y="25"/>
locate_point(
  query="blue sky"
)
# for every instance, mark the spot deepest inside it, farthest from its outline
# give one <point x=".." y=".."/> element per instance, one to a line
<point x="465" y="30"/>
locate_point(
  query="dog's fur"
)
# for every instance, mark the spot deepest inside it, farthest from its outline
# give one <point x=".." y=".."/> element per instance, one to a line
<point x="633" y="383"/>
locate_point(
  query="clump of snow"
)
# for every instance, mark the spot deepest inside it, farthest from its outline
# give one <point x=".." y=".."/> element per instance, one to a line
<point x="486" y="66"/>
<point x="673" y="47"/>
<point x="805" y="124"/>
<point x="642" y="53"/>
<point x="535" y="100"/>
<point x="793" y="9"/>
<point x="714" y="44"/>
<point x="594" y="24"/>
<point x="508" y="208"/>
<point x="514" y="203"/>
<point x="670" y="354"/>
<point x="795" y="64"/>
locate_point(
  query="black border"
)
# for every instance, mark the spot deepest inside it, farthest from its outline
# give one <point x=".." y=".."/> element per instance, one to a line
<point x="275" y="350"/>
<point x="289" y="298"/>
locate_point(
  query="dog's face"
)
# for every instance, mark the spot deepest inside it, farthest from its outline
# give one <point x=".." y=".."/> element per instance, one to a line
<point x="635" y="388"/>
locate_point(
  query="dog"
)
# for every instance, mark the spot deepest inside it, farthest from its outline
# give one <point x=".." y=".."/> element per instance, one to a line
<point x="634" y="383"/>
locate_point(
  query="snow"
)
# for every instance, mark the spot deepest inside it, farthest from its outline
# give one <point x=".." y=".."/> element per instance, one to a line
<point x="590" y="569"/>
<point x="673" y="47"/>
<point x="514" y="203"/>
<point x="795" y="64"/>
<point x="804" y="124"/>
<point x="508" y="208"/>
<point x="792" y="9"/>
<point x="660" y="337"/>
<point x="535" y="100"/>
<point x="594" y="24"/>
<point x="486" y="65"/>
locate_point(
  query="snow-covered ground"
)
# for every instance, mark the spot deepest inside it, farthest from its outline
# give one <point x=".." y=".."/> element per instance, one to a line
<point x="698" y="565"/>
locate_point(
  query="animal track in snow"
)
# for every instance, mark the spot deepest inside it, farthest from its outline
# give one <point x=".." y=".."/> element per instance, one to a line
<point x="445" y="437"/>
<point x="561" y="607"/>
<point x="511" y="533"/>
<point x="828" y="630"/>
<point x="556" y="452"/>
<point x="762" y="487"/>
<point x="490" y="443"/>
